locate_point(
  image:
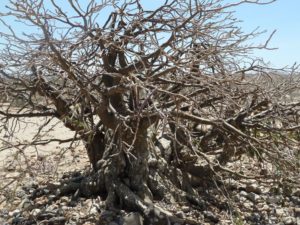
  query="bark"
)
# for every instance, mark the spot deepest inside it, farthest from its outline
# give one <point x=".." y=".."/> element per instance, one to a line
<point x="95" y="146"/>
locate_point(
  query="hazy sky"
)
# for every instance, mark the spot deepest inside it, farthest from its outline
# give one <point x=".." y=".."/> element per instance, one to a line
<point x="283" y="15"/>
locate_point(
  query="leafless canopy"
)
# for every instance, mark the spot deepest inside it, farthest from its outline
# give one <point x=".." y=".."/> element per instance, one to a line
<point x="121" y="74"/>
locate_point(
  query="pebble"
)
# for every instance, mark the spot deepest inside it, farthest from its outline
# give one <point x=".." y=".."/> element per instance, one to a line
<point x="265" y="208"/>
<point x="253" y="197"/>
<point x="65" y="199"/>
<point x="185" y="209"/>
<point x="25" y="204"/>
<point x="288" y="220"/>
<point x="296" y="193"/>
<point x="14" y="213"/>
<point x="113" y="223"/>
<point x="279" y="212"/>
<point x="57" y="220"/>
<point x="94" y="210"/>
<point x="12" y="175"/>
<point x="212" y="217"/>
<point x="253" y="188"/>
<point x="133" y="218"/>
<point x="274" y="199"/>
<point x="297" y="212"/>
<point x="243" y="194"/>
<point x="35" y="212"/>
<point x="180" y="214"/>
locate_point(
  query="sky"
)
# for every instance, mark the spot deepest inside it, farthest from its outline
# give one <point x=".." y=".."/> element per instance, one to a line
<point x="282" y="16"/>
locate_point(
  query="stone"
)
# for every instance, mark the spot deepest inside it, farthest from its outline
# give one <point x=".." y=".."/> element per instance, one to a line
<point x="248" y="205"/>
<point x="107" y="215"/>
<point x="46" y="191"/>
<point x="35" y="212"/>
<point x="253" y="197"/>
<point x="297" y="212"/>
<point x="57" y="220"/>
<point x="41" y="201"/>
<point x="113" y="223"/>
<point x="185" y="209"/>
<point x="25" y="204"/>
<point x="15" y="213"/>
<point x="253" y="188"/>
<point x="295" y="200"/>
<point x="94" y="210"/>
<point x="18" y="220"/>
<point x="210" y="216"/>
<point x="133" y="218"/>
<point x="273" y="199"/>
<point x="288" y="220"/>
<point x="296" y="193"/>
<point x="265" y="208"/>
<point x="180" y="214"/>
<point x="279" y="212"/>
<point x="243" y="194"/>
<point x="65" y="199"/>
<point x="20" y="193"/>
<point x="12" y="175"/>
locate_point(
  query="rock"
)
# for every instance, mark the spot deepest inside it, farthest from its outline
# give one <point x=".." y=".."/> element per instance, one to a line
<point x="11" y="166"/>
<point x="57" y="220"/>
<point x="210" y="216"/>
<point x="41" y="201"/>
<point x="65" y="199"/>
<point x="248" y="205"/>
<point x="274" y="199"/>
<point x="253" y="188"/>
<point x="107" y="215"/>
<point x="297" y="212"/>
<point x="51" y="197"/>
<point x="133" y="218"/>
<point x="88" y="203"/>
<point x="15" y="213"/>
<point x="296" y="193"/>
<point x="253" y="197"/>
<point x="52" y="208"/>
<point x="26" y="204"/>
<point x="94" y="210"/>
<point x="289" y="220"/>
<point x="243" y="194"/>
<point x="35" y="212"/>
<point x="54" y="184"/>
<point x="12" y="175"/>
<point x="75" y="215"/>
<point x="255" y="217"/>
<point x="279" y="212"/>
<point x="295" y="200"/>
<point x="265" y="208"/>
<point x="31" y="184"/>
<point x="185" y="209"/>
<point x="20" y="193"/>
<point x="18" y="220"/>
<point x="180" y="214"/>
<point x="113" y="223"/>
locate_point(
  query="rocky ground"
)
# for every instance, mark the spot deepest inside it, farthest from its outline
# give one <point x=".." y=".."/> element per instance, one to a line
<point x="31" y="192"/>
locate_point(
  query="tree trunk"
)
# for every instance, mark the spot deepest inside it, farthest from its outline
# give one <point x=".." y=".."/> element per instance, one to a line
<point x="95" y="146"/>
<point x="137" y="166"/>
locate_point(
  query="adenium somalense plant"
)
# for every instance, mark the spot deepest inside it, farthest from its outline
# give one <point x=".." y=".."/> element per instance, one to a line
<point x="124" y="77"/>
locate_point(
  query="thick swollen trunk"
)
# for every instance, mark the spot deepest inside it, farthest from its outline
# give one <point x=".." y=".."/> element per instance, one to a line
<point x="137" y="166"/>
<point x="117" y="167"/>
<point x="95" y="146"/>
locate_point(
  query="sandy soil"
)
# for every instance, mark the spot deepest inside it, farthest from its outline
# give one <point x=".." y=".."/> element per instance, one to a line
<point x="19" y="163"/>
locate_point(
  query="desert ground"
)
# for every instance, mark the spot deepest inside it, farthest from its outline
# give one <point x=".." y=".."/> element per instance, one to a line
<point x="30" y="174"/>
